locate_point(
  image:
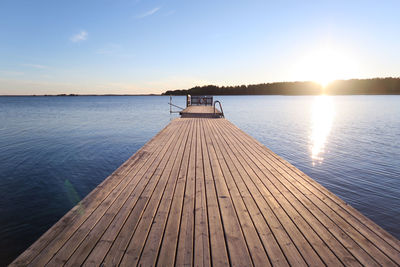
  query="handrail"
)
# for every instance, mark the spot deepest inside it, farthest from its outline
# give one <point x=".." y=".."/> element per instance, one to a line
<point x="220" y="106"/>
<point x="176" y="106"/>
<point x="170" y="106"/>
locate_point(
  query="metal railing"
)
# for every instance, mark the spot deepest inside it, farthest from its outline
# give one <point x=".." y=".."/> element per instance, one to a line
<point x="172" y="105"/>
<point x="220" y="106"/>
<point x="197" y="100"/>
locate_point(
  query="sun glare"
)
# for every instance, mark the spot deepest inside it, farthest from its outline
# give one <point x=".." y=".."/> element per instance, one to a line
<point x="322" y="115"/>
<point x="325" y="64"/>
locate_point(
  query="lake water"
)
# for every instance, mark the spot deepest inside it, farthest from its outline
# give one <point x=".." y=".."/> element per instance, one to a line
<point x="55" y="150"/>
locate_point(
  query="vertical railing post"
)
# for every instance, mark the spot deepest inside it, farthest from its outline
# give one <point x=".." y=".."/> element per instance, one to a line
<point x="188" y="100"/>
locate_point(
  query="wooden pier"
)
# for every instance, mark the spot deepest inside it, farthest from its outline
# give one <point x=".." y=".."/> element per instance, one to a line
<point x="202" y="192"/>
<point x="200" y="112"/>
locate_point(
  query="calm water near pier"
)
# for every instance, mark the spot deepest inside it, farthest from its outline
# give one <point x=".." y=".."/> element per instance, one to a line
<point x="55" y="150"/>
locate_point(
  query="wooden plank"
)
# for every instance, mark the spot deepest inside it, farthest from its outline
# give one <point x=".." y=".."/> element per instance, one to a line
<point x="298" y="213"/>
<point x="255" y="247"/>
<point x="202" y="255"/>
<point x="169" y="243"/>
<point x="202" y="192"/>
<point x="237" y="247"/>
<point x="354" y="233"/>
<point x="218" y="249"/>
<point x="156" y="209"/>
<point x="184" y="254"/>
<point x="359" y="222"/>
<point x="375" y="232"/>
<point x="84" y="210"/>
<point x="200" y="112"/>
<point x="282" y="236"/>
<point x="277" y="225"/>
<point x="102" y="247"/>
<point x="389" y="244"/>
<point x="100" y="250"/>
<point x="121" y="241"/>
<point x="274" y="201"/>
<point x="82" y="242"/>
<point x="101" y="219"/>
<point x="275" y="253"/>
<point x="332" y="226"/>
<point x="153" y="242"/>
<point x="200" y="109"/>
<point x="81" y="211"/>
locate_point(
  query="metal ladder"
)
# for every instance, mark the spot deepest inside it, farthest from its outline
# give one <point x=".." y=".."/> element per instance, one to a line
<point x="220" y="106"/>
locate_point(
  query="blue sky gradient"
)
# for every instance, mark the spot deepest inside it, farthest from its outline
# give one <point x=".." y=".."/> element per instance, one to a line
<point x="133" y="47"/>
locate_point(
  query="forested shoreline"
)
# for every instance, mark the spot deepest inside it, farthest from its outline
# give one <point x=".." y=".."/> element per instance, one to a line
<point x="376" y="86"/>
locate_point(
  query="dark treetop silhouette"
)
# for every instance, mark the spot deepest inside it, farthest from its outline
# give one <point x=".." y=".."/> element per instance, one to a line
<point x="376" y="86"/>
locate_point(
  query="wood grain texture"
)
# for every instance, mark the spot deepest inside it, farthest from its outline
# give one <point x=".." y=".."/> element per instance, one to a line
<point x="202" y="192"/>
<point x="200" y="112"/>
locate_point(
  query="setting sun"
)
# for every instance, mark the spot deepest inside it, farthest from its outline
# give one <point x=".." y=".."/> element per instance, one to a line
<point x="326" y="64"/>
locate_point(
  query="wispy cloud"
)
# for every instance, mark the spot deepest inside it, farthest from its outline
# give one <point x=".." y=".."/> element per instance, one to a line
<point x="169" y="13"/>
<point x="114" y="50"/>
<point x="148" y="13"/>
<point x="79" y="37"/>
<point x="36" y="66"/>
<point x="109" y="49"/>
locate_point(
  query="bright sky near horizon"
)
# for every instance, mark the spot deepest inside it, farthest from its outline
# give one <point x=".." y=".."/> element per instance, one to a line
<point x="138" y="46"/>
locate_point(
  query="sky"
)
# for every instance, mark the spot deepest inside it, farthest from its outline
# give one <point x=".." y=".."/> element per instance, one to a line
<point x="140" y="47"/>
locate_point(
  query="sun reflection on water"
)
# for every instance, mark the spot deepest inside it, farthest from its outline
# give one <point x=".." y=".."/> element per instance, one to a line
<point x="322" y="115"/>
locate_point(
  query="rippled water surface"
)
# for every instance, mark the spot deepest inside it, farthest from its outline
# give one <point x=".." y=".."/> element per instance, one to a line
<point x="55" y="150"/>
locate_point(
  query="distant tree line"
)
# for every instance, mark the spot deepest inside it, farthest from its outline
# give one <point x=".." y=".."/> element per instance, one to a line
<point x="376" y="86"/>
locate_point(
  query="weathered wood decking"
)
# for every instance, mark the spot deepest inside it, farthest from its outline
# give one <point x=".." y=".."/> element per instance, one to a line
<point x="202" y="192"/>
<point x="200" y="112"/>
